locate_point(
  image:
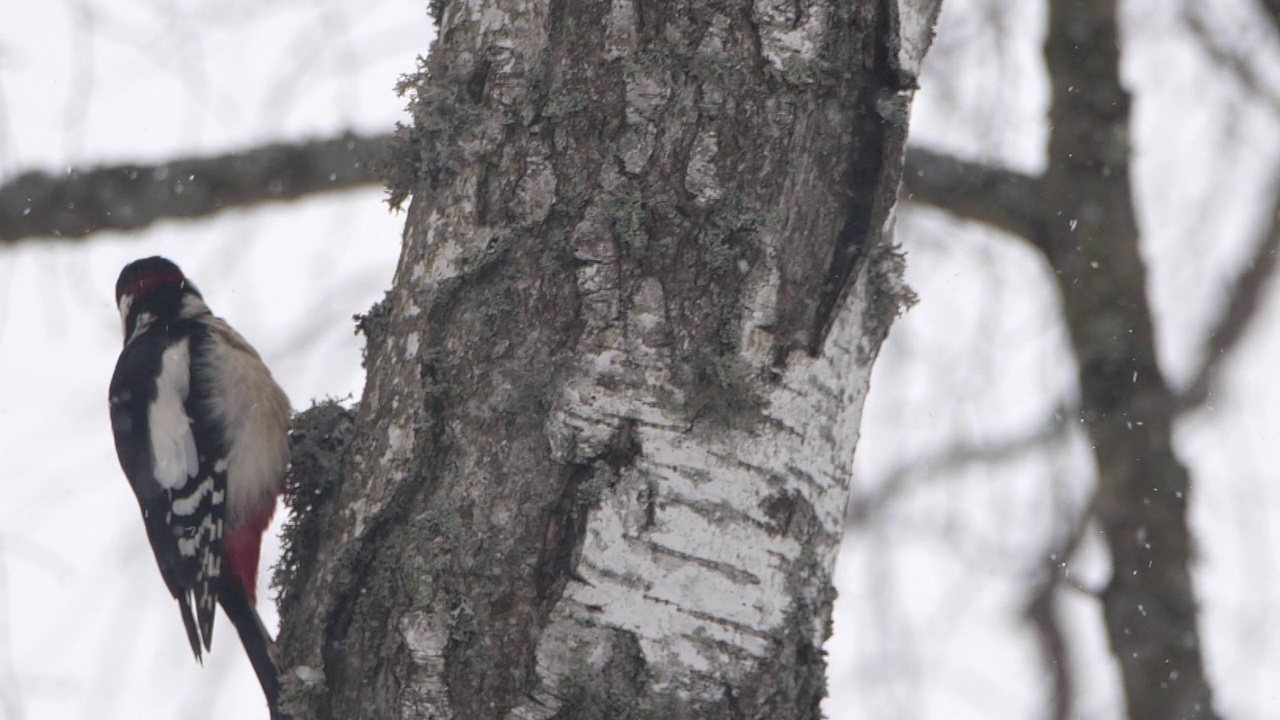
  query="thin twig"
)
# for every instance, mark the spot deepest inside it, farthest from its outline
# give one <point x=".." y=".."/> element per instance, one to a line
<point x="1228" y="55"/>
<point x="950" y="459"/>
<point x="1238" y="314"/>
<point x="1042" y="613"/>
<point x="1271" y="8"/>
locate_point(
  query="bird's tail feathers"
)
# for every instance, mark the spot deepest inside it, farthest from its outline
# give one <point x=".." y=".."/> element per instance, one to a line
<point x="258" y="644"/>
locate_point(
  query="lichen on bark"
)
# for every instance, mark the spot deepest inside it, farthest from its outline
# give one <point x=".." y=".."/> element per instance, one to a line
<point x="601" y="459"/>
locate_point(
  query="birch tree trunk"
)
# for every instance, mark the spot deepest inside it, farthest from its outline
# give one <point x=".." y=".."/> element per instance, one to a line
<point x="601" y="462"/>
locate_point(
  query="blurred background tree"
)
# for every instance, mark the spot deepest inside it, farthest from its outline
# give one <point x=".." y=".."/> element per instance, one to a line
<point x="1116" y="259"/>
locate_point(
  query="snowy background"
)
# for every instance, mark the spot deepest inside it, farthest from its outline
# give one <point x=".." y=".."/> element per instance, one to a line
<point x="933" y="582"/>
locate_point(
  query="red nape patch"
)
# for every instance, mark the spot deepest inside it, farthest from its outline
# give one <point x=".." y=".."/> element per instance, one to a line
<point x="142" y="276"/>
<point x="240" y="548"/>
<point x="142" y="285"/>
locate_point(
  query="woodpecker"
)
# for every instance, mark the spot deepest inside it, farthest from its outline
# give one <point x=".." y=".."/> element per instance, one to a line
<point x="201" y="430"/>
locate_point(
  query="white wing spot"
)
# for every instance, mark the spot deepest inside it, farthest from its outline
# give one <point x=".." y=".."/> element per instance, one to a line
<point x="189" y="504"/>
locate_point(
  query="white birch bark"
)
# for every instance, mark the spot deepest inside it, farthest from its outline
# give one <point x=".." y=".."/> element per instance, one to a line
<point x="601" y="463"/>
<point x="688" y="550"/>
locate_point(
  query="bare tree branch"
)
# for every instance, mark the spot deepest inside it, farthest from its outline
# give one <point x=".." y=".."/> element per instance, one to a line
<point x="1238" y="314"/>
<point x="1042" y="613"/>
<point x="998" y="197"/>
<point x="955" y="457"/>
<point x="1272" y="10"/>
<point x="131" y="197"/>
<point x="1010" y="201"/>
<point x="1229" y="56"/>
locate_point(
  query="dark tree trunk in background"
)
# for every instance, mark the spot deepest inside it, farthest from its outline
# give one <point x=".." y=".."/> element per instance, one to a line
<point x="601" y="461"/>
<point x="1080" y="215"/>
<point x="1127" y="407"/>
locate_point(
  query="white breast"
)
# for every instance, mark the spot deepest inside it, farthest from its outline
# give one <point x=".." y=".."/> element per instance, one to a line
<point x="256" y="414"/>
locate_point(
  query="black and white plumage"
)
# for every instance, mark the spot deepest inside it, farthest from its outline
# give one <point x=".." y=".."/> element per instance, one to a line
<point x="201" y="430"/>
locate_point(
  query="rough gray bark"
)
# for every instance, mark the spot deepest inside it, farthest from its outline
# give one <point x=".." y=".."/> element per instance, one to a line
<point x="601" y="460"/>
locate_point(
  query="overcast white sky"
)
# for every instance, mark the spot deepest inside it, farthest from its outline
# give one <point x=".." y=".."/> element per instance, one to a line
<point x="928" y="625"/>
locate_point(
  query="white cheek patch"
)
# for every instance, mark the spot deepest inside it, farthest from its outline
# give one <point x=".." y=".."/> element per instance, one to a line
<point x="173" y="446"/>
<point x="141" y="324"/>
<point x="126" y="302"/>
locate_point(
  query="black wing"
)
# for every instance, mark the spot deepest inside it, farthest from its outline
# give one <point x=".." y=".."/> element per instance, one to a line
<point x="174" y="478"/>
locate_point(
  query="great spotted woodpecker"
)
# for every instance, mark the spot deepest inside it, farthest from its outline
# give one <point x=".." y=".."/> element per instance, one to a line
<point x="201" y="430"/>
